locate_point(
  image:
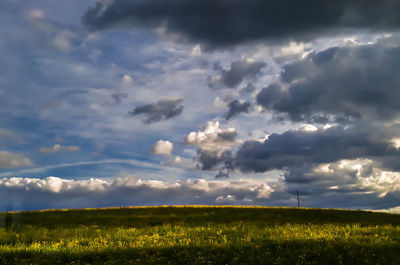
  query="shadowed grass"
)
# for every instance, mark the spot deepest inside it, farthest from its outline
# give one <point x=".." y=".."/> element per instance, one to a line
<point x="197" y="215"/>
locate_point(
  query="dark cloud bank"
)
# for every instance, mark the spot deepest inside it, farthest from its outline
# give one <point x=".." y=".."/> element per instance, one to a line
<point x="161" y="110"/>
<point x="339" y="84"/>
<point x="297" y="148"/>
<point x="355" y="87"/>
<point x="225" y="23"/>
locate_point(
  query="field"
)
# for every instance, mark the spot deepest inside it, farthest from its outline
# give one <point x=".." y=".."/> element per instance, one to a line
<point x="199" y="235"/>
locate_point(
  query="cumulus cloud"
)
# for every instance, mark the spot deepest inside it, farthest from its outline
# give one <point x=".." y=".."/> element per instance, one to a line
<point x="162" y="148"/>
<point x="54" y="192"/>
<point x="214" y="144"/>
<point x="236" y="107"/>
<point x="178" y="160"/>
<point x="339" y="84"/>
<point x="294" y="48"/>
<point x="345" y="176"/>
<point x="59" y="148"/>
<point x="209" y="159"/>
<point x="126" y="81"/>
<point x="212" y="137"/>
<point x="164" y="109"/>
<point x="13" y="160"/>
<point x="379" y="180"/>
<point x="226" y="199"/>
<point x="218" y="23"/>
<point x="263" y="191"/>
<point x="196" y="51"/>
<point x="53" y="184"/>
<point x="238" y="72"/>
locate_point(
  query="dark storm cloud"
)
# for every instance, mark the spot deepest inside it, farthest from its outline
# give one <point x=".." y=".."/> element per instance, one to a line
<point x="162" y="110"/>
<point x="236" y="74"/>
<point x="241" y="70"/>
<point x="339" y="84"/>
<point x="236" y="107"/>
<point x="298" y="148"/>
<point x="210" y="159"/>
<point x="226" y="23"/>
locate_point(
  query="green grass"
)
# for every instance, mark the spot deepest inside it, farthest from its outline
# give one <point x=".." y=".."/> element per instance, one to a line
<point x="200" y="235"/>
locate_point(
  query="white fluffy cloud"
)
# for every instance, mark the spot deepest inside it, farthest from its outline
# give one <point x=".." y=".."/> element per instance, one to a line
<point x="212" y="137"/>
<point x="365" y="174"/>
<point x="54" y="192"/>
<point x="215" y="147"/>
<point x="53" y="184"/>
<point x="226" y="199"/>
<point x="12" y="160"/>
<point x="126" y="81"/>
<point x="196" y="51"/>
<point x="263" y="191"/>
<point x="59" y="148"/>
<point x="162" y="148"/>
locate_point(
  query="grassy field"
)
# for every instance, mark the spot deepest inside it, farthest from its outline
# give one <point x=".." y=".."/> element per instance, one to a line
<point x="200" y="235"/>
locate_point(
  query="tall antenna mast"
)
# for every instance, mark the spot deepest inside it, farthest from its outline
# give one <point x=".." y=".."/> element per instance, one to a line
<point x="298" y="198"/>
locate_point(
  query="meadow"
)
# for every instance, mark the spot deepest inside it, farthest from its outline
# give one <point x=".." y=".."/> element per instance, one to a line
<point x="199" y="235"/>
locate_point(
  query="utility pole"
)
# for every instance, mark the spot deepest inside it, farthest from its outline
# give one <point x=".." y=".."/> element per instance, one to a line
<point x="298" y="198"/>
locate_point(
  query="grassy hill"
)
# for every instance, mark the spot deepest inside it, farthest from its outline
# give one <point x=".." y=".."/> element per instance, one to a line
<point x="199" y="235"/>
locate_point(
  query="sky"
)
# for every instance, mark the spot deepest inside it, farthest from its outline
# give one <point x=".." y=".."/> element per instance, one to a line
<point x="216" y="102"/>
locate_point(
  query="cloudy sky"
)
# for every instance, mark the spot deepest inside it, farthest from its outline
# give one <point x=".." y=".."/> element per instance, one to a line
<point x="149" y="102"/>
